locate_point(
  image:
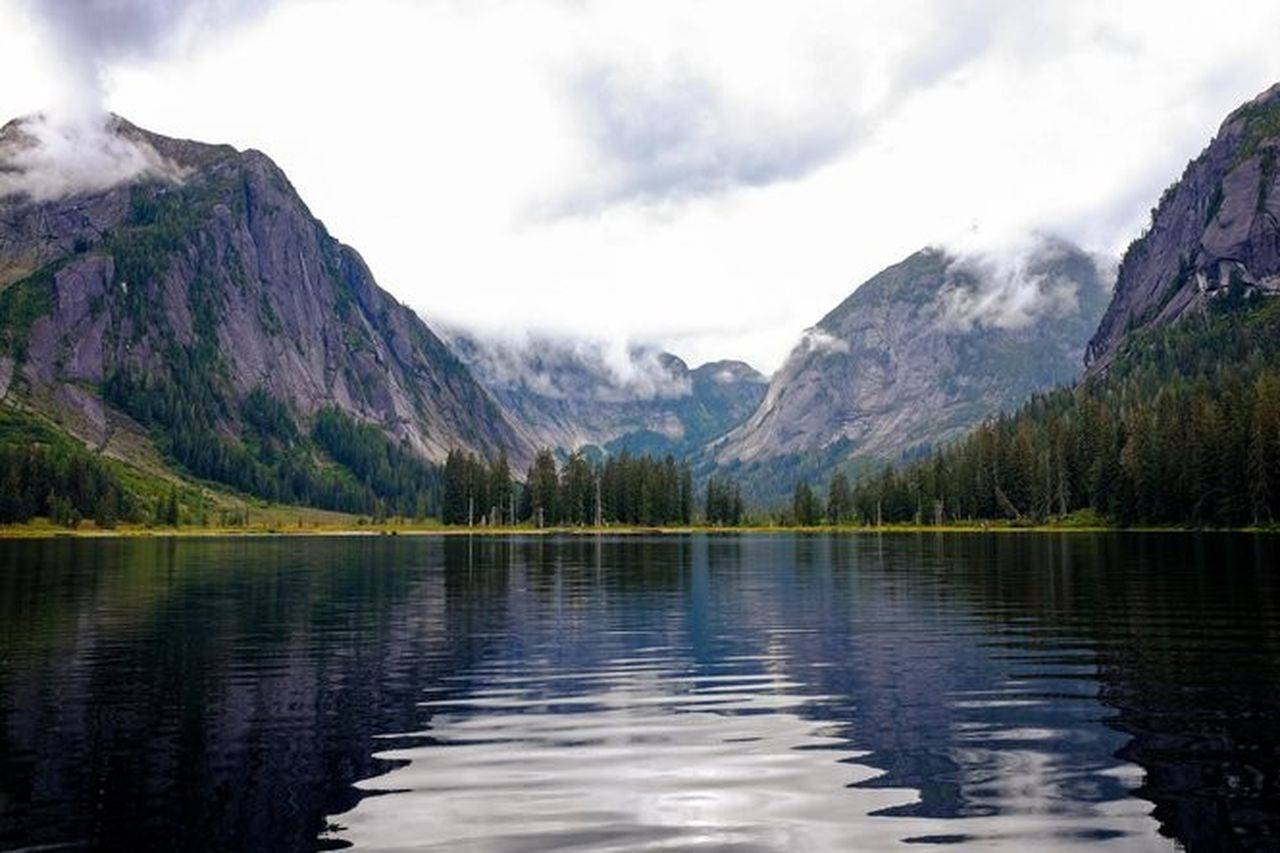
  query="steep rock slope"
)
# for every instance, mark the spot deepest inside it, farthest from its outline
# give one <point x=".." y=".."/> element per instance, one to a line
<point x="920" y="352"/>
<point x="569" y="394"/>
<point x="201" y="281"/>
<point x="1213" y="232"/>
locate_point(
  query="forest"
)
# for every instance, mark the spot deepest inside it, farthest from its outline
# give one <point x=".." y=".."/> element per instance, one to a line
<point x="341" y="465"/>
<point x="623" y="489"/>
<point x="45" y="473"/>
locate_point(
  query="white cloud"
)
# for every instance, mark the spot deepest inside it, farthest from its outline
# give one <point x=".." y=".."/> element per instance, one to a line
<point x="734" y="169"/>
<point x="816" y="340"/>
<point x="681" y="138"/>
<point x="1009" y="297"/>
<point x="51" y="157"/>
<point x="90" y="37"/>
<point x="572" y="368"/>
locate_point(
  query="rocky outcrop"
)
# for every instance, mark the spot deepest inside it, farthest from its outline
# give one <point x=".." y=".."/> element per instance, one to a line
<point x="213" y="267"/>
<point x="1213" y="232"/>
<point x="921" y="352"/>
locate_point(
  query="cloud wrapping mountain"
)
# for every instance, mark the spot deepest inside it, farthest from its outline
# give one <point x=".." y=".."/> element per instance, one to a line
<point x="53" y="157"/>
<point x="73" y="146"/>
<point x="563" y="367"/>
<point x="914" y="357"/>
<point x="1012" y="287"/>
<point x="567" y="393"/>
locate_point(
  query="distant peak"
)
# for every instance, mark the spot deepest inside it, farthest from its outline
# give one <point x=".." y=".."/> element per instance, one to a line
<point x="729" y="370"/>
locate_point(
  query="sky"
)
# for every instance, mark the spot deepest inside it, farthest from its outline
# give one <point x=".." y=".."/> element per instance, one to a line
<point x="710" y="177"/>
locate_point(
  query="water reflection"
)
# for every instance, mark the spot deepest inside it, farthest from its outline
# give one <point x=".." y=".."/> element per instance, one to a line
<point x="736" y="692"/>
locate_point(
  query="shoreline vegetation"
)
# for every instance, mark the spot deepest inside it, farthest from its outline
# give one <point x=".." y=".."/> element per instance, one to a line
<point x="276" y="525"/>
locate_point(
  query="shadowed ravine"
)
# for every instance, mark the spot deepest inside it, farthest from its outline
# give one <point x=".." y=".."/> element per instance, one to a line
<point x="741" y="692"/>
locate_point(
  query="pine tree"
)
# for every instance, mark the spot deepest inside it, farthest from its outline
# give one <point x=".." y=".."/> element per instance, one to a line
<point x="543" y="483"/>
<point x="805" y="506"/>
<point x="839" y="499"/>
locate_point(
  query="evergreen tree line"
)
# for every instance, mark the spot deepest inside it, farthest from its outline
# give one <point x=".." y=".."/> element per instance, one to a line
<point x="723" y="502"/>
<point x="624" y="489"/>
<point x="808" y="509"/>
<point x="44" y="473"/>
<point x="63" y="484"/>
<point x="399" y="480"/>
<point x="475" y="491"/>
<point x="1183" y="428"/>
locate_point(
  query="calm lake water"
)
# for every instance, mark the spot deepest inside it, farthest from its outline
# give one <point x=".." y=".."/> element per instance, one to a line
<point x="733" y="692"/>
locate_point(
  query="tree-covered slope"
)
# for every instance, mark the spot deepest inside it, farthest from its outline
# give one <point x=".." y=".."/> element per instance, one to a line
<point x="1183" y="428"/>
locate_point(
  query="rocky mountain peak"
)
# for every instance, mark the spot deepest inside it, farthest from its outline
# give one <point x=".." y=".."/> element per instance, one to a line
<point x="1214" y="233"/>
<point x="919" y="353"/>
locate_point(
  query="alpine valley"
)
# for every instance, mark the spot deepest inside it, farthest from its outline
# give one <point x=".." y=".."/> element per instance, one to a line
<point x="191" y="336"/>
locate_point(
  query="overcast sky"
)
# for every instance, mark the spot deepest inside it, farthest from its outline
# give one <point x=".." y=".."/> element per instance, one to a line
<point x="711" y="177"/>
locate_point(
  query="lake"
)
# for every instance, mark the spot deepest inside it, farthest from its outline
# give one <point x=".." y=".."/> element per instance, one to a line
<point x="744" y="692"/>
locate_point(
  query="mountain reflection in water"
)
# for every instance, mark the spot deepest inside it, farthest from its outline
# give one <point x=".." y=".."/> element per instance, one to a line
<point x="746" y="692"/>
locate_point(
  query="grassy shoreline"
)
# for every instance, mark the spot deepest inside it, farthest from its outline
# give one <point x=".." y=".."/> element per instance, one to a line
<point x="44" y="529"/>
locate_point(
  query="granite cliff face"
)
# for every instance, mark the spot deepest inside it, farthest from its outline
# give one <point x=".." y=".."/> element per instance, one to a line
<point x="206" y="269"/>
<point x="570" y="394"/>
<point x="918" y="354"/>
<point x="1214" y="231"/>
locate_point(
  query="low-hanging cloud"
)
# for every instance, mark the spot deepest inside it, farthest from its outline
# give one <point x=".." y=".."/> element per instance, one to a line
<point x="43" y="158"/>
<point x="570" y="368"/>
<point x="820" y="341"/>
<point x="75" y="145"/>
<point x="1015" y="286"/>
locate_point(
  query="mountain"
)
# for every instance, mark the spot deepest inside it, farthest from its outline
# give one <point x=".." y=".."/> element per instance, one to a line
<point x="569" y="394"/>
<point x="1177" y="421"/>
<point x="200" y="304"/>
<point x="917" y="355"/>
<point x="1213" y="232"/>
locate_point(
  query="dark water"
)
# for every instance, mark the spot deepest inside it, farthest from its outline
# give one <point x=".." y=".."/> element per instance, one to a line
<point x="754" y="693"/>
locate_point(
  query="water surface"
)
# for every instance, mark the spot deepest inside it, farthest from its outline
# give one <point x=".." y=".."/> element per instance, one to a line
<point x="730" y="693"/>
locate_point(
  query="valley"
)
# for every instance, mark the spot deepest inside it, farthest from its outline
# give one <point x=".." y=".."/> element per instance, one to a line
<point x="191" y="342"/>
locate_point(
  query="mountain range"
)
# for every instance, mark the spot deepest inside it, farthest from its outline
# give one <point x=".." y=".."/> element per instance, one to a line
<point x="1177" y="421"/>
<point x="576" y="394"/>
<point x="194" y="319"/>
